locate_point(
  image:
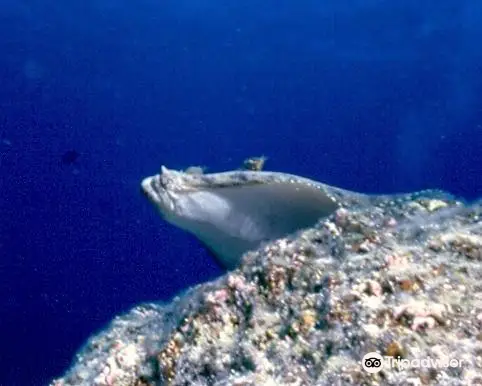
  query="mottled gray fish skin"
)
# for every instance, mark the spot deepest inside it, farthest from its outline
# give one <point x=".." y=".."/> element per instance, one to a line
<point x="234" y="212"/>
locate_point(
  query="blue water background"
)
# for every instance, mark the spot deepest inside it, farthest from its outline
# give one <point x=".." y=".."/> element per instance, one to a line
<point x="375" y="96"/>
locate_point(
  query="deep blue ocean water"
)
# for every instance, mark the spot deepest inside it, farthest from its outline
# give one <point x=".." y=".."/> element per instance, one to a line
<point x="375" y="96"/>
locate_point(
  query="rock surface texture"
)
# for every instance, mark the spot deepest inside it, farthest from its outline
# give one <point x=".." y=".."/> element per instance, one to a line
<point x="401" y="277"/>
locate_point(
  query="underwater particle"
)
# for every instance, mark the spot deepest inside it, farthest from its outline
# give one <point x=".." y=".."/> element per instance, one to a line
<point x="254" y="163"/>
<point x="4" y="140"/>
<point x="69" y="157"/>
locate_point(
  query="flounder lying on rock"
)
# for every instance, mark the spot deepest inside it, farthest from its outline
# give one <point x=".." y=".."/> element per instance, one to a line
<point x="235" y="211"/>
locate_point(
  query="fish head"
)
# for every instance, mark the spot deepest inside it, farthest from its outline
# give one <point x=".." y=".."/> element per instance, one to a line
<point x="163" y="192"/>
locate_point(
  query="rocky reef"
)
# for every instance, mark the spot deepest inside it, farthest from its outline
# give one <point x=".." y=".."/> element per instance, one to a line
<point x="401" y="277"/>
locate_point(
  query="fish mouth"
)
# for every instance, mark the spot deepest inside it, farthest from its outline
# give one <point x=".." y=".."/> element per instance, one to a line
<point x="144" y="188"/>
<point x="150" y="190"/>
<point x="157" y="193"/>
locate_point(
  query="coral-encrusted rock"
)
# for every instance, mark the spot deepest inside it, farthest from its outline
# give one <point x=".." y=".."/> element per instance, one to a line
<point x="402" y="278"/>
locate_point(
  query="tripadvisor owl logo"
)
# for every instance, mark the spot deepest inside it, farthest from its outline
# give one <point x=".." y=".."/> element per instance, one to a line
<point x="372" y="362"/>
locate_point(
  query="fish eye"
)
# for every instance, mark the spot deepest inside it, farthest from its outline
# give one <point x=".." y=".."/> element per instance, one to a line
<point x="163" y="181"/>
